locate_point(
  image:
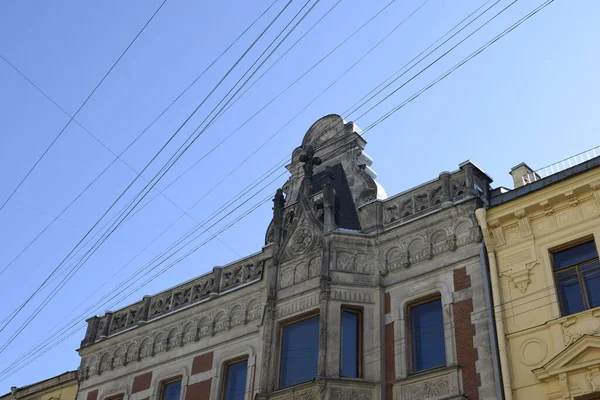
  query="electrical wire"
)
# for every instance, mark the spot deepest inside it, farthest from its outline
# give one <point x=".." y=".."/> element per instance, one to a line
<point x="148" y="164"/>
<point x="130" y="144"/>
<point x="82" y="104"/>
<point x="499" y="36"/>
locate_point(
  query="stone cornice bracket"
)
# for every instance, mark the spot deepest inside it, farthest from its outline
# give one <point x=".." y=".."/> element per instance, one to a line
<point x="572" y="198"/>
<point x="524" y="224"/>
<point x="497" y="232"/>
<point x="548" y="210"/>
<point x="520" y="277"/>
<point x="596" y="187"/>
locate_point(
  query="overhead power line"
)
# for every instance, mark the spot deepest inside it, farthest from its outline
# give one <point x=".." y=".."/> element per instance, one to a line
<point x="474" y="54"/>
<point x="170" y="163"/>
<point x="298" y="79"/>
<point x="118" y="157"/>
<point x="82" y="104"/>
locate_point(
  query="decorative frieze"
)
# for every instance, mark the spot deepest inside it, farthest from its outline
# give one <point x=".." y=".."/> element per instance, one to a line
<point x="299" y="272"/>
<point x="173" y="336"/>
<point x="352" y="262"/>
<point x="338" y="393"/>
<point x="295" y="306"/>
<point x="352" y="295"/>
<point x="424" y="245"/>
<point x="427" y="390"/>
<point x="299" y="394"/>
<point x="449" y="188"/>
<point x="153" y="307"/>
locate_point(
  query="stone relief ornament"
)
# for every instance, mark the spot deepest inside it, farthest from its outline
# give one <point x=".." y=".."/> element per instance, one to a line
<point x="593" y="380"/>
<point x="574" y="329"/>
<point x="348" y="393"/>
<point x="520" y="277"/>
<point x="306" y="394"/>
<point x="302" y="239"/>
<point x="174" y="336"/>
<point x="427" y="389"/>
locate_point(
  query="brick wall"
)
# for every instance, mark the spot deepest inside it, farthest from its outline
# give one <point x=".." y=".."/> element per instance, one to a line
<point x="93" y="395"/>
<point x="141" y="382"/>
<point x="199" y="391"/>
<point x="466" y="353"/>
<point x="202" y="363"/>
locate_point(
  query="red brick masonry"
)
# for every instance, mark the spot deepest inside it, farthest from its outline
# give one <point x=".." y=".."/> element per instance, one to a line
<point x="202" y="363"/>
<point x="93" y="395"/>
<point x="387" y="303"/>
<point x="141" y="382"/>
<point x="199" y="391"/>
<point x="465" y="333"/>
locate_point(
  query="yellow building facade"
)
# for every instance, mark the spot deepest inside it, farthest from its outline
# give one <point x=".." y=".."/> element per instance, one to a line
<point x="61" y="387"/>
<point x="542" y="240"/>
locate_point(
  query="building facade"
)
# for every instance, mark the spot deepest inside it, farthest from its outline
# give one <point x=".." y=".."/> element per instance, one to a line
<point x="542" y="239"/>
<point x="355" y="295"/>
<point x="61" y="387"/>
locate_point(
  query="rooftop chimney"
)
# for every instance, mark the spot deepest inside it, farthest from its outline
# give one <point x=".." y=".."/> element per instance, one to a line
<point x="522" y="174"/>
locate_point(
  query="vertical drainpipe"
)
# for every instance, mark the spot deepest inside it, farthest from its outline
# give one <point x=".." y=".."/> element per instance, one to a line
<point x="481" y="215"/>
<point x="489" y="304"/>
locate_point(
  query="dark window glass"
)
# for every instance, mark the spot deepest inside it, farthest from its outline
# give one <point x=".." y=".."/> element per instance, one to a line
<point x="350" y="344"/>
<point x="570" y="291"/>
<point x="171" y="391"/>
<point x="428" y="348"/>
<point x="299" y="351"/>
<point x="235" y="381"/>
<point x="577" y="272"/>
<point x="590" y="272"/>
<point x="575" y="255"/>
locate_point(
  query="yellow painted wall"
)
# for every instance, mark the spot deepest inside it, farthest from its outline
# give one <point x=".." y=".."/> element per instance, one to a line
<point x="550" y="356"/>
<point x="63" y="391"/>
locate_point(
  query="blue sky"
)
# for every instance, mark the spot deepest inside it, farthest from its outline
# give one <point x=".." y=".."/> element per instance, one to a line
<point x="532" y="96"/>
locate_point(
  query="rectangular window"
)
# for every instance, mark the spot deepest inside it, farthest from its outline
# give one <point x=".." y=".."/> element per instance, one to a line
<point x="171" y="390"/>
<point x="299" y="351"/>
<point x="235" y="380"/>
<point x="351" y="343"/>
<point x="577" y="273"/>
<point x="427" y="344"/>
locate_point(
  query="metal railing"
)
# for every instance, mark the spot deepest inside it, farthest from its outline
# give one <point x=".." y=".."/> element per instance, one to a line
<point x="561" y="165"/>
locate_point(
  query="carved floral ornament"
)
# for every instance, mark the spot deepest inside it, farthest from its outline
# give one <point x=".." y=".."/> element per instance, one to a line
<point x="173" y="336"/>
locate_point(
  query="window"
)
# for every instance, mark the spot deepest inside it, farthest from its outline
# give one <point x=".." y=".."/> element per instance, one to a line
<point x="577" y="273"/>
<point x="171" y="390"/>
<point x="351" y="343"/>
<point x="235" y="380"/>
<point x="426" y="330"/>
<point x="299" y="351"/>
